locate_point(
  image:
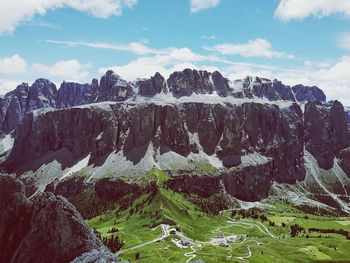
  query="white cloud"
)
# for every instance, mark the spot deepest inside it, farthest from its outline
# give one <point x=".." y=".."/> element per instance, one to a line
<point x="134" y="47"/>
<point x="7" y="85"/>
<point x="299" y="9"/>
<point x="13" y="65"/>
<point x="258" y="47"/>
<point x="13" y="12"/>
<point x="175" y="59"/>
<point x="199" y="5"/>
<point x="70" y="70"/>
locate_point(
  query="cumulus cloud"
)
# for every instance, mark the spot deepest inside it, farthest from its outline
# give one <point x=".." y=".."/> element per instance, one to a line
<point x="299" y="9"/>
<point x="258" y="47"/>
<point x="13" y="65"/>
<point x="13" y="12"/>
<point x="175" y="59"/>
<point x="7" y="85"/>
<point x="70" y="70"/>
<point x="199" y="5"/>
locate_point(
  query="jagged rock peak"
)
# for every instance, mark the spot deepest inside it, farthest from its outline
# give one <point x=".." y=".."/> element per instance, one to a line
<point x="307" y="93"/>
<point x="44" y="229"/>
<point x="43" y="93"/>
<point x="112" y="87"/>
<point x="151" y="87"/>
<point x="188" y="82"/>
<point x="21" y="89"/>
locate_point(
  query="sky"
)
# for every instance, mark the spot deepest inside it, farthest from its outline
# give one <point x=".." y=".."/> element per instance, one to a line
<point x="295" y="41"/>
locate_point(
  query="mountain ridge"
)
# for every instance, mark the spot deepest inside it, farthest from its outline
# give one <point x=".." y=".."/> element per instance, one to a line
<point x="111" y="87"/>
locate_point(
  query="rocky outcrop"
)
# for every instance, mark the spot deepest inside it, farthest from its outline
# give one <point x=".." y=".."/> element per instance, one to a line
<point x="188" y="82"/>
<point x="113" y="190"/>
<point x="274" y="90"/>
<point x="14" y="106"/>
<point x="248" y="183"/>
<point x="306" y="93"/>
<point x="42" y="94"/>
<point x="151" y="87"/>
<point x="45" y="229"/>
<point x="113" y="88"/>
<point x="68" y="188"/>
<point x="265" y="88"/>
<point x="326" y="132"/>
<point x="344" y="160"/>
<point x="72" y="94"/>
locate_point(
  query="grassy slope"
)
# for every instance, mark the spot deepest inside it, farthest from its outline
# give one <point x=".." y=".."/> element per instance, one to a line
<point x="139" y="223"/>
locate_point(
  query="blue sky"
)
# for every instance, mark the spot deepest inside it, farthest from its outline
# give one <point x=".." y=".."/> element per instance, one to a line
<point x="296" y="41"/>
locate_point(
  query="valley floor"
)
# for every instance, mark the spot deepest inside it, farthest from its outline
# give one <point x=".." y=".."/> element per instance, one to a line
<point x="166" y="227"/>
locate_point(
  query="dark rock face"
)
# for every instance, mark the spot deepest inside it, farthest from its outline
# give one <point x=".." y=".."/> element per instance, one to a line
<point x="14" y="115"/>
<point x="68" y="188"/>
<point x="249" y="183"/>
<point x="113" y="190"/>
<point x="220" y="83"/>
<point x="42" y="94"/>
<point x="188" y="82"/>
<point x="344" y="161"/>
<point x="203" y="186"/>
<point x="14" y="107"/>
<point x="23" y="99"/>
<point x="72" y="94"/>
<point x="55" y="130"/>
<point x="326" y="132"/>
<point x="46" y="229"/>
<point x="152" y="86"/>
<point x="229" y="131"/>
<point x="305" y="93"/>
<point x="276" y="90"/>
<point x="113" y="88"/>
<point x="265" y="88"/>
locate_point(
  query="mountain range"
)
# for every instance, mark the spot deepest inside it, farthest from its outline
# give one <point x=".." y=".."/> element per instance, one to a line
<point x="248" y="139"/>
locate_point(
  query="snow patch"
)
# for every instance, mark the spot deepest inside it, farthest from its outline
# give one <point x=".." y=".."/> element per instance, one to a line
<point x="99" y="137"/>
<point x="254" y="159"/>
<point x="42" y="111"/>
<point x="166" y="99"/>
<point x="6" y="143"/>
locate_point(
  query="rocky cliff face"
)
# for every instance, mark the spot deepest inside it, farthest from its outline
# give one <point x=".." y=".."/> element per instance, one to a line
<point x="326" y="132"/>
<point x="248" y="183"/>
<point x="71" y="94"/>
<point x="218" y="125"/>
<point x="153" y="86"/>
<point x="344" y="160"/>
<point x="45" y="229"/>
<point x="43" y="93"/>
<point x="24" y="99"/>
<point x="225" y="131"/>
